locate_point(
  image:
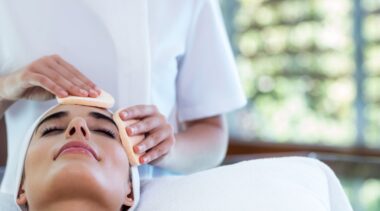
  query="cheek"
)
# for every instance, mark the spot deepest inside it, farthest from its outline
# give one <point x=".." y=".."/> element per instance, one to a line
<point x="38" y="155"/>
<point x="114" y="159"/>
<point x="37" y="162"/>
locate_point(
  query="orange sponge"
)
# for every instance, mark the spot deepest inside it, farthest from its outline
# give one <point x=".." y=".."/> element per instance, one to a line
<point x="127" y="141"/>
<point x="104" y="100"/>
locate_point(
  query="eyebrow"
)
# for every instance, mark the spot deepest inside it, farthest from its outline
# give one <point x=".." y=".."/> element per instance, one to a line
<point x="62" y="114"/>
<point x="57" y="115"/>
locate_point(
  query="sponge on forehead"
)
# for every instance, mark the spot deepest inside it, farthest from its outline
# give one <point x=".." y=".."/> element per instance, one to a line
<point x="104" y="100"/>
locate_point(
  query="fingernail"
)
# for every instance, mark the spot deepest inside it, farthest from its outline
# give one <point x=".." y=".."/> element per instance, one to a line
<point x="130" y="131"/>
<point x="124" y="114"/>
<point x="93" y="92"/>
<point x="143" y="160"/>
<point x="136" y="149"/>
<point x="63" y="93"/>
<point x="133" y="130"/>
<point x="141" y="148"/>
<point x="84" y="92"/>
<point x="98" y="90"/>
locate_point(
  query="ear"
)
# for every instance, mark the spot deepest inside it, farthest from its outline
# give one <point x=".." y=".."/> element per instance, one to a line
<point x="21" y="198"/>
<point x="129" y="198"/>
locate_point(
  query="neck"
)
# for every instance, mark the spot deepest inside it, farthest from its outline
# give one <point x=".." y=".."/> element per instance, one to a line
<point x="72" y="205"/>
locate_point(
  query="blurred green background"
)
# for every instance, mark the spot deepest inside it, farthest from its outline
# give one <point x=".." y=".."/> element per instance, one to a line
<point x="311" y="71"/>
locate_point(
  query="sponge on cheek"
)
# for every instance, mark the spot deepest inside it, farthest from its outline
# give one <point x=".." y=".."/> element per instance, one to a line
<point x="127" y="141"/>
<point x="104" y="100"/>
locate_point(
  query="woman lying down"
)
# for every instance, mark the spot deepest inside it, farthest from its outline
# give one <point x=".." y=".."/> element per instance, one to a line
<point x="72" y="159"/>
<point x="75" y="161"/>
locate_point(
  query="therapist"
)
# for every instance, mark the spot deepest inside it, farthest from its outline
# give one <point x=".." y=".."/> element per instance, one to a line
<point x="73" y="47"/>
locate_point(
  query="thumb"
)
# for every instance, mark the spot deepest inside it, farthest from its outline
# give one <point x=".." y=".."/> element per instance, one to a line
<point x="38" y="93"/>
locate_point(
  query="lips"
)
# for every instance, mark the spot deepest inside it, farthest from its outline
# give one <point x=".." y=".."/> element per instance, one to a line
<point x="76" y="145"/>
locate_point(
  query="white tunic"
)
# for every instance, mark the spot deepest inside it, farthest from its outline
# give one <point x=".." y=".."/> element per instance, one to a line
<point x="192" y="73"/>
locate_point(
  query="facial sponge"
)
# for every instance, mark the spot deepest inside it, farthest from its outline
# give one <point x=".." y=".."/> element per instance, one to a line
<point x="104" y="100"/>
<point x="128" y="141"/>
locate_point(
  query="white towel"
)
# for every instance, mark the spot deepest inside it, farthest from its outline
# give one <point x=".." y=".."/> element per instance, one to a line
<point x="10" y="188"/>
<point x="277" y="184"/>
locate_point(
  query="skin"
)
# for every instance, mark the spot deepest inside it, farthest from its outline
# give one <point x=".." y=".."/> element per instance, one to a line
<point x="200" y="144"/>
<point x="43" y="79"/>
<point x="46" y="77"/>
<point x="76" y="180"/>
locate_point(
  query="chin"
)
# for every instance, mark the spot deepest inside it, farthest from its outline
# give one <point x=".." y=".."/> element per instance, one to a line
<point x="73" y="179"/>
<point x="75" y="175"/>
<point x="69" y="180"/>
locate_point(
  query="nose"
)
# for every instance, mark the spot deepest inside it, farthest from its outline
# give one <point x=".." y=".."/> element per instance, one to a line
<point x="77" y="129"/>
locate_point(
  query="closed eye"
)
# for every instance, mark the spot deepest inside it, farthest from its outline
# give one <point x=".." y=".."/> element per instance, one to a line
<point x="51" y="130"/>
<point x="56" y="130"/>
<point x="106" y="132"/>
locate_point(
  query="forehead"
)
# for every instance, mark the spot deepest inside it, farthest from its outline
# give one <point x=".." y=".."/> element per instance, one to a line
<point x="78" y="110"/>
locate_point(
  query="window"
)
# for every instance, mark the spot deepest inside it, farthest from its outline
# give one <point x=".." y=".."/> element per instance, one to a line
<point x="311" y="71"/>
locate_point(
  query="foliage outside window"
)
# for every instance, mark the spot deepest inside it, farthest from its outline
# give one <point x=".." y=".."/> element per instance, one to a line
<point x="296" y="61"/>
<point x="299" y="65"/>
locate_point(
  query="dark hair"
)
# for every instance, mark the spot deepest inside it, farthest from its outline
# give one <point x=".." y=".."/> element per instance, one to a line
<point x="124" y="207"/>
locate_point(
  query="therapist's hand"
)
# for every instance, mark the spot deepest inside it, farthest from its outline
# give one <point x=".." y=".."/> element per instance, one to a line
<point x="159" y="133"/>
<point x="44" y="78"/>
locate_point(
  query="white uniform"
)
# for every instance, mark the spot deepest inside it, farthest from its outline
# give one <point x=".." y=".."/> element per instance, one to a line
<point x="192" y="73"/>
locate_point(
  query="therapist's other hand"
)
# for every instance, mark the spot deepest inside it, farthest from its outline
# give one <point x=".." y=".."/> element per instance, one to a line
<point x="159" y="138"/>
<point x="44" y="78"/>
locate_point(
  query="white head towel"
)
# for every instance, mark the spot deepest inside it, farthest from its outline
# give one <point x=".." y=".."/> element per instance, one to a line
<point x="8" y="201"/>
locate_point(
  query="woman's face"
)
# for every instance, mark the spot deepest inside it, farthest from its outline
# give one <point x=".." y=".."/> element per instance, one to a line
<point x="76" y="153"/>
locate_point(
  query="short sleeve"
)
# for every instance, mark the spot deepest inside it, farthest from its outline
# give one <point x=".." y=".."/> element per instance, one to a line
<point x="207" y="81"/>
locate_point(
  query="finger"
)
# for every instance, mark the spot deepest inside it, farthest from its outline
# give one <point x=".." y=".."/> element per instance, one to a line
<point x="76" y="72"/>
<point x="93" y="92"/>
<point x="67" y="79"/>
<point x="138" y="112"/>
<point x="65" y="71"/>
<point x="152" y="140"/>
<point x="157" y="152"/>
<point x="61" y="81"/>
<point x="40" y="80"/>
<point x="146" y="125"/>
